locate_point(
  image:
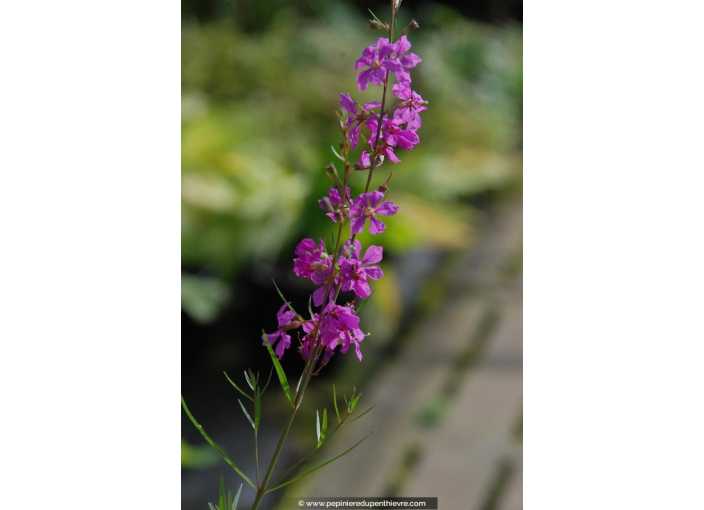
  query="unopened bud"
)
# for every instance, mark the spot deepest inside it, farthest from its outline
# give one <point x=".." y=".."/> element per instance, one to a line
<point x="317" y="266"/>
<point x="327" y="205"/>
<point x="291" y="325"/>
<point x="413" y="25"/>
<point x="345" y="210"/>
<point x="383" y="187"/>
<point x="376" y="25"/>
<point x="349" y="251"/>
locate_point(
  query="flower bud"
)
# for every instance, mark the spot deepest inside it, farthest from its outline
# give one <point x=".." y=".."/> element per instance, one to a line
<point x="413" y="25"/>
<point x="383" y="187"/>
<point x="327" y="205"/>
<point x="376" y="25"/>
<point x="348" y="252"/>
<point x="345" y="210"/>
<point x="291" y="325"/>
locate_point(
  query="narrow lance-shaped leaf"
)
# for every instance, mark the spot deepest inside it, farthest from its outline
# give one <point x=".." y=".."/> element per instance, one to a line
<point x="374" y="16"/>
<point x="279" y="369"/>
<point x="237" y="498"/>
<point x="364" y="303"/>
<point x="237" y="387"/>
<point x="282" y="297"/>
<point x="336" y="154"/>
<point x="229" y="500"/>
<point x="334" y="399"/>
<point x="271" y="372"/>
<point x="306" y="473"/>
<point x="257" y="409"/>
<point x="365" y="412"/>
<point x="324" y="428"/>
<point x="223" y="500"/>
<point x="211" y="506"/>
<point x="212" y="443"/>
<point x="249" y="381"/>
<point x="247" y="414"/>
<point x="353" y="403"/>
<point x="317" y="425"/>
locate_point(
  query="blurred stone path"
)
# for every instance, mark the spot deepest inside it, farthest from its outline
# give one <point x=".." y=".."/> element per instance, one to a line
<point x="449" y="409"/>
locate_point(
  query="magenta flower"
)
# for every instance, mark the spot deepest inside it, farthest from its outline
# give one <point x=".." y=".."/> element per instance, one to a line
<point x="310" y="258"/>
<point x="407" y="61"/>
<point x="367" y="205"/>
<point x="335" y="201"/>
<point x="341" y="327"/>
<point x="355" y="273"/>
<point x="321" y="277"/>
<point x="377" y="59"/>
<point x="394" y="134"/>
<point x="286" y="323"/>
<point x="358" y="117"/>
<point x="410" y="106"/>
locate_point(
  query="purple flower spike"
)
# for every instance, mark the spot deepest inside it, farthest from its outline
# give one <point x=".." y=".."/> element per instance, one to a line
<point x="367" y="205"/>
<point x="407" y="61"/>
<point x="377" y="59"/>
<point x="286" y="323"/>
<point x="355" y="273"/>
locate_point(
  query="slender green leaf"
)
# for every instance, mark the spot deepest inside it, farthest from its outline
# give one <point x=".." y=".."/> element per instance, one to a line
<point x="257" y="409"/>
<point x="268" y="380"/>
<point x="374" y="16"/>
<point x="237" y="387"/>
<point x="246" y="414"/>
<point x="310" y="308"/>
<point x="306" y="473"/>
<point x="279" y="369"/>
<point x="223" y="501"/>
<point x="211" y="506"/>
<point x="365" y="412"/>
<point x="334" y="399"/>
<point x="359" y="308"/>
<point x="229" y="499"/>
<point x="324" y="428"/>
<point x="212" y="443"/>
<point x="237" y="498"/>
<point x="282" y="297"/>
<point x="336" y="154"/>
<point x="353" y="402"/>
<point x="249" y="381"/>
<point x="317" y="425"/>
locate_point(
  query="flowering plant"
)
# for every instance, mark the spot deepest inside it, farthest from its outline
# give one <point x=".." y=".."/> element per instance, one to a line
<point x="348" y="267"/>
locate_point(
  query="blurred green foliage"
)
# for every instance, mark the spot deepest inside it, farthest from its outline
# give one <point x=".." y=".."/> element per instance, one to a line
<point x="258" y="120"/>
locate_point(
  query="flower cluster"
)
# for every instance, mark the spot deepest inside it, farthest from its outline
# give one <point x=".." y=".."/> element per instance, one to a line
<point x="349" y="268"/>
<point x="397" y="126"/>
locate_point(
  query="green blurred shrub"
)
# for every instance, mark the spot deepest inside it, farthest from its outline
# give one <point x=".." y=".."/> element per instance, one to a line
<point x="258" y="122"/>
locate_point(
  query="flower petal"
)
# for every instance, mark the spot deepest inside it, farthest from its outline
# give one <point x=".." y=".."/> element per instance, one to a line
<point x="373" y="272"/>
<point x="410" y="60"/>
<point x="348" y="104"/>
<point x="376" y="226"/>
<point x="363" y="79"/>
<point x="373" y="255"/>
<point x="387" y="208"/>
<point x="357" y="225"/>
<point x="402" y="45"/>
